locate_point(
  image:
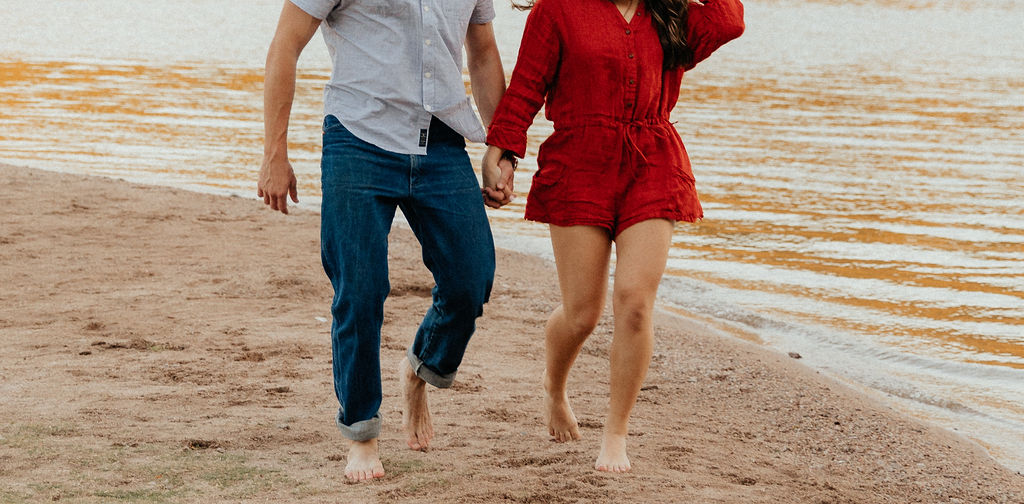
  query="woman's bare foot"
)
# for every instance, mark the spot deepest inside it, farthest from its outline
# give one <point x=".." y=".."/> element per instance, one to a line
<point x="562" y="424"/>
<point x="415" y="413"/>
<point x="363" y="461"/>
<point x="613" y="455"/>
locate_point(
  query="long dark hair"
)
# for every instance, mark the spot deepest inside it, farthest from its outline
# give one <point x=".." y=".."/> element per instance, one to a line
<point x="669" y="19"/>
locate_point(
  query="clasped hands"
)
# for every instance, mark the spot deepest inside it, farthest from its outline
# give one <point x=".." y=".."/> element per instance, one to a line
<point x="498" y="178"/>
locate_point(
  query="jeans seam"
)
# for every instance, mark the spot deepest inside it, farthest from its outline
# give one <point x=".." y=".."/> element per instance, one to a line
<point x="414" y="223"/>
<point x="413" y="165"/>
<point x="429" y="340"/>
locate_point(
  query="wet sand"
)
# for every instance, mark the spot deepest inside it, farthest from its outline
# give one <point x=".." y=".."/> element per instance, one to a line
<point x="168" y="346"/>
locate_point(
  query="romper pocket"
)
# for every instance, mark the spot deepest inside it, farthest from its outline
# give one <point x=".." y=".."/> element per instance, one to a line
<point x="552" y="160"/>
<point x="548" y="174"/>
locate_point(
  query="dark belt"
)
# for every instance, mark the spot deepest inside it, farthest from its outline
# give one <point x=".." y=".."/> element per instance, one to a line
<point x="442" y="133"/>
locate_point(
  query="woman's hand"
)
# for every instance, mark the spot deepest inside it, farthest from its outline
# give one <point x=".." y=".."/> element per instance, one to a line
<point x="498" y="178"/>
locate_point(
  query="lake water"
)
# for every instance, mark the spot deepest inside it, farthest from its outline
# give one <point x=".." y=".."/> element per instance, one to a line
<point x="861" y="165"/>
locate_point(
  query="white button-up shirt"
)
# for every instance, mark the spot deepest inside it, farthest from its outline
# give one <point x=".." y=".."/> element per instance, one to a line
<point x="396" y="63"/>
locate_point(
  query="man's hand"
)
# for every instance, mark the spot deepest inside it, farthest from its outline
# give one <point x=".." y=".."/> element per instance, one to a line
<point x="498" y="178"/>
<point x="277" y="182"/>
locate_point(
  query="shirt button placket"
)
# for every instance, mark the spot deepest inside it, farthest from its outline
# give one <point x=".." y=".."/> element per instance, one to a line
<point x="427" y="59"/>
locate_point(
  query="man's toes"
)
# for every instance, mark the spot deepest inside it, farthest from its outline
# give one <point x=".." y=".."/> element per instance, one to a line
<point x="418" y="443"/>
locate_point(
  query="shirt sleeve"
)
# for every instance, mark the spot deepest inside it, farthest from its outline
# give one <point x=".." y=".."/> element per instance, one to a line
<point x="316" y="8"/>
<point x="711" y="25"/>
<point x="483" y="13"/>
<point x="535" y="71"/>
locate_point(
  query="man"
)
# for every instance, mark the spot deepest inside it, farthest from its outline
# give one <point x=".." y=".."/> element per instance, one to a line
<point x="396" y="119"/>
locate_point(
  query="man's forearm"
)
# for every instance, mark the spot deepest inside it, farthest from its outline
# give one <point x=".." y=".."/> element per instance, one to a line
<point x="486" y="75"/>
<point x="487" y="78"/>
<point x="294" y="30"/>
<point x="278" y="94"/>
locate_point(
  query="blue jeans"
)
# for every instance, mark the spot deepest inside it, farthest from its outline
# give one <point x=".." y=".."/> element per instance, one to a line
<point x="440" y="197"/>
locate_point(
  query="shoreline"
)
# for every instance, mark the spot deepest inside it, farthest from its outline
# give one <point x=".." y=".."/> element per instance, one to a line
<point x="157" y="347"/>
<point x="536" y="246"/>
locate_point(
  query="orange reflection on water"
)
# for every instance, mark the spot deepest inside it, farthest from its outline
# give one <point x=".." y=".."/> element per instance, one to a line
<point x="201" y="124"/>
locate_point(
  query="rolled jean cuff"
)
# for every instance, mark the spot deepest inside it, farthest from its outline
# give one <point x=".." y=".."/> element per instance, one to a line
<point x="428" y="375"/>
<point x="360" y="431"/>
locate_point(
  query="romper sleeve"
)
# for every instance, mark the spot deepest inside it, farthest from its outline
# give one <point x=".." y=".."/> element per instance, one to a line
<point x="711" y="25"/>
<point x="535" y="71"/>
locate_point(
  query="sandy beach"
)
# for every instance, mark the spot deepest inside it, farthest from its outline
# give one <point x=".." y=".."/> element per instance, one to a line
<point x="169" y="346"/>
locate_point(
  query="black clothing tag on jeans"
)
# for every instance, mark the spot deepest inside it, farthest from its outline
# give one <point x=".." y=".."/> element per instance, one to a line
<point x="423" y="138"/>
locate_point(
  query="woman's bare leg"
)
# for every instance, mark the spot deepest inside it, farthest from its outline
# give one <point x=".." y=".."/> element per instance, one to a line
<point x="641" y="252"/>
<point x="581" y="258"/>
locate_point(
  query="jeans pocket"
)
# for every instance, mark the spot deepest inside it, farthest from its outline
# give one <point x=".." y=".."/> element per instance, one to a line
<point x="332" y="124"/>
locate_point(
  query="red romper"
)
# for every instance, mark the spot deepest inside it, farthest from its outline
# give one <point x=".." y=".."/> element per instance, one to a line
<point x="614" y="158"/>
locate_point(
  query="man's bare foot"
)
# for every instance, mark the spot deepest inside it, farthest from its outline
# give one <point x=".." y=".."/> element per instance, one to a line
<point x="562" y="424"/>
<point x="363" y="461"/>
<point x="415" y="413"/>
<point x="613" y="455"/>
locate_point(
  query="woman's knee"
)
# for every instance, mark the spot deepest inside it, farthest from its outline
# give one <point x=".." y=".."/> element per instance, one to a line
<point x="633" y="309"/>
<point x="582" y="321"/>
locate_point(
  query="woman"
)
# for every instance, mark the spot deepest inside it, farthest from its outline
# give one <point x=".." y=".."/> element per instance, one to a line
<point x="614" y="170"/>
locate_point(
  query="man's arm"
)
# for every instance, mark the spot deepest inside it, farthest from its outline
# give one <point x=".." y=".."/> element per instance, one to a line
<point x="277" y="179"/>
<point x="487" y="78"/>
<point x="486" y="75"/>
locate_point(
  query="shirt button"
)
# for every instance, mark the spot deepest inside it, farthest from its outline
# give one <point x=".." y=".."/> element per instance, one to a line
<point x="426" y="8"/>
<point x="426" y="75"/>
<point x="628" y="31"/>
<point x="632" y="81"/>
<point x="629" y="105"/>
<point x="427" y="41"/>
<point x="630" y="55"/>
<point x="428" y="108"/>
